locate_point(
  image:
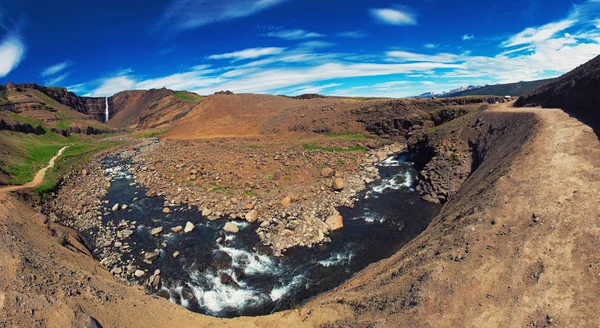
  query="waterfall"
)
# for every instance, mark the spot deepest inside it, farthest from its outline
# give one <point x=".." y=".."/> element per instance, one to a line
<point x="106" y="110"/>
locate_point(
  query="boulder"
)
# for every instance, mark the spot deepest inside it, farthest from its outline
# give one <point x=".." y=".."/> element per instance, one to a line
<point x="206" y="212"/>
<point x="151" y="255"/>
<point x="189" y="227"/>
<point x="227" y="280"/>
<point x="166" y="210"/>
<point x="156" y="231"/>
<point x="139" y="273"/>
<point x="286" y="202"/>
<point x="231" y="227"/>
<point x="176" y="254"/>
<point x="335" y="221"/>
<point x="338" y="184"/>
<point x="327" y="172"/>
<point x="115" y="207"/>
<point x="177" y="229"/>
<point x="252" y="216"/>
<point x="222" y="261"/>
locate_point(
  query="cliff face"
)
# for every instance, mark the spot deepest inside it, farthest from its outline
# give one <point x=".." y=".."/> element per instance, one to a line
<point x="575" y="92"/>
<point x="93" y="106"/>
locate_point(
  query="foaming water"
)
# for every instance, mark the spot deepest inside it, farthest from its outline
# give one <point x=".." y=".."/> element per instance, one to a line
<point x="239" y="276"/>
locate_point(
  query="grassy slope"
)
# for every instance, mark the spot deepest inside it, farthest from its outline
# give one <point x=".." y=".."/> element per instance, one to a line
<point x="73" y="159"/>
<point x="27" y="153"/>
<point x="188" y="96"/>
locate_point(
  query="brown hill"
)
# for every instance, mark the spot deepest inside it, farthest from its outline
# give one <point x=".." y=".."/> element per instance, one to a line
<point x="150" y="108"/>
<point x="577" y="92"/>
<point x="222" y="115"/>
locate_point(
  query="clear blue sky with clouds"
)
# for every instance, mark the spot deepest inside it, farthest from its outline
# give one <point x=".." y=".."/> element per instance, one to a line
<point x="354" y="48"/>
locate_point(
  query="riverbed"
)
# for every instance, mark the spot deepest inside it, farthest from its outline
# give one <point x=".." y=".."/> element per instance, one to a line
<point x="232" y="274"/>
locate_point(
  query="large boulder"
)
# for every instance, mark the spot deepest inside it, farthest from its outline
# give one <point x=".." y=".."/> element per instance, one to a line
<point x="189" y="227"/>
<point x="231" y="227"/>
<point x="327" y="172"/>
<point x="222" y="261"/>
<point x="335" y="221"/>
<point x="338" y="184"/>
<point x="252" y="216"/>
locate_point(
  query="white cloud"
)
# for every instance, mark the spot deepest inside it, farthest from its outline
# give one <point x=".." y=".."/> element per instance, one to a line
<point x="316" y="44"/>
<point x="110" y="86"/>
<point x="295" y="34"/>
<point x="189" y="14"/>
<point x="12" y="51"/>
<point x="352" y="34"/>
<point x="56" y="68"/>
<point x="468" y="37"/>
<point x="313" y="88"/>
<point x="56" y="80"/>
<point x="248" y="53"/>
<point x="394" y="16"/>
<point x="427" y="83"/>
<point x="431" y="45"/>
<point x="538" y="34"/>
<point x="411" y="56"/>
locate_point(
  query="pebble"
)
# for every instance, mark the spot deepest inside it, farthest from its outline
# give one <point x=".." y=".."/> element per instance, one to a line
<point x="139" y="273"/>
<point x="156" y="231"/>
<point x="176" y="254"/>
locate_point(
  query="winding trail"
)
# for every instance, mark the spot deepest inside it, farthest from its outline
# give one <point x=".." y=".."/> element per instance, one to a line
<point x="39" y="176"/>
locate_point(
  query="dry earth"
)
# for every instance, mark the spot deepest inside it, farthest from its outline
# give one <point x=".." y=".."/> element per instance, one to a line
<point x="515" y="246"/>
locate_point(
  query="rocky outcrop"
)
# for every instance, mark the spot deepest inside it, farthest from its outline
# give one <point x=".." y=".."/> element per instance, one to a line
<point x="21" y="127"/>
<point x="575" y="92"/>
<point x="450" y="154"/>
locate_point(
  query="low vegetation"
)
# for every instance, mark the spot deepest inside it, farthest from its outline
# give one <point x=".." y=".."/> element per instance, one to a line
<point x="73" y="158"/>
<point x="312" y="146"/>
<point x="187" y="96"/>
<point x="148" y="134"/>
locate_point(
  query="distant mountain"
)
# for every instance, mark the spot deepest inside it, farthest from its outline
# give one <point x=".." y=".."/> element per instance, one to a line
<point x="510" y="89"/>
<point x="576" y="92"/>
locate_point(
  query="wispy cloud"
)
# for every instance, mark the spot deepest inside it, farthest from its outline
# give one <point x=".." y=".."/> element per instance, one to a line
<point x="395" y="16"/>
<point x="54" y="81"/>
<point x="411" y="56"/>
<point x="431" y="45"/>
<point x="12" y="51"/>
<point x="110" y="86"/>
<point x="189" y="14"/>
<point x="467" y="37"/>
<point x="295" y="34"/>
<point x="248" y="53"/>
<point x="352" y="34"/>
<point x="538" y="34"/>
<point x="56" y="68"/>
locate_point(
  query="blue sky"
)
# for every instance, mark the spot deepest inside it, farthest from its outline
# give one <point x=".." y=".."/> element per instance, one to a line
<point x="354" y="48"/>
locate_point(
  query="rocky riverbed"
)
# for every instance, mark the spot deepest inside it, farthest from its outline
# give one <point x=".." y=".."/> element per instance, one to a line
<point x="222" y="267"/>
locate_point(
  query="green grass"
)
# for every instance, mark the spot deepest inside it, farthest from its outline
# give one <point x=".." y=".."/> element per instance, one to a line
<point x="346" y="135"/>
<point x="29" y="153"/>
<point x="73" y="158"/>
<point x="23" y="119"/>
<point x="149" y="134"/>
<point x="188" y="96"/>
<point x="312" y="146"/>
<point x="254" y="146"/>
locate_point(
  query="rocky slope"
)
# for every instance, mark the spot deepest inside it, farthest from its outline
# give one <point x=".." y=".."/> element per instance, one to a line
<point x="575" y="92"/>
<point x="150" y="108"/>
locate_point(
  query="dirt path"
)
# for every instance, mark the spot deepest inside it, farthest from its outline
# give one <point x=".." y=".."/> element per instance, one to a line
<point x="39" y="176"/>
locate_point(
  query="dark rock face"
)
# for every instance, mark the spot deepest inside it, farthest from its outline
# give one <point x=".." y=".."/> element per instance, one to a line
<point x="447" y="158"/>
<point x="577" y="92"/>
<point x="21" y="127"/>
